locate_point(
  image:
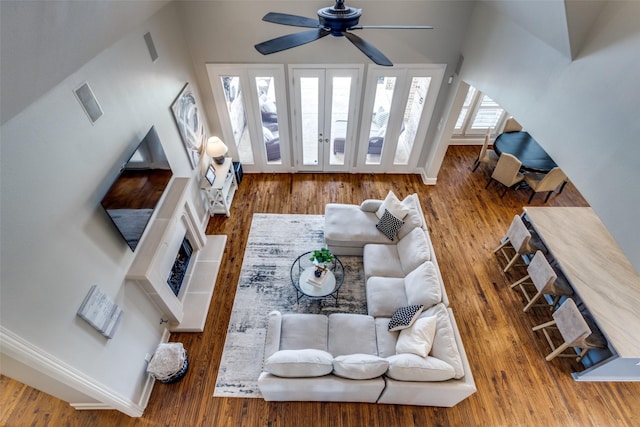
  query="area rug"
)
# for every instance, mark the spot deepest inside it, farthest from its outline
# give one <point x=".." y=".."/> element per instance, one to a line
<point x="274" y="242"/>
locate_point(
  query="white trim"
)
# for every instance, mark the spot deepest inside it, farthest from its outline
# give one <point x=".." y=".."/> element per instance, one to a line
<point x="426" y="180"/>
<point x="18" y="348"/>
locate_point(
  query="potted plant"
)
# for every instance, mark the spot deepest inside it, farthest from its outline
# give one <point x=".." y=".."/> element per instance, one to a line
<point x="321" y="258"/>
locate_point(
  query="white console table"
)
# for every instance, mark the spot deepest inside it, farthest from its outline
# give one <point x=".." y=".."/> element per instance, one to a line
<point x="220" y="193"/>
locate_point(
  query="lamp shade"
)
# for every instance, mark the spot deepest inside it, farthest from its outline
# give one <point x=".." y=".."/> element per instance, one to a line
<point x="216" y="149"/>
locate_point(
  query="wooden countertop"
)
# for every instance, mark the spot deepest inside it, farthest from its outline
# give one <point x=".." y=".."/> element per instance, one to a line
<point x="598" y="270"/>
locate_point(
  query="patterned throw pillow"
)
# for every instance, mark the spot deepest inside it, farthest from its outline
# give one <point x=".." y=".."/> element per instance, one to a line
<point x="404" y="317"/>
<point x="389" y="225"/>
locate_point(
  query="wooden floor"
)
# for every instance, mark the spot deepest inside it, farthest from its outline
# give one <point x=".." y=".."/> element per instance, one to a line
<point x="515" y="385"/>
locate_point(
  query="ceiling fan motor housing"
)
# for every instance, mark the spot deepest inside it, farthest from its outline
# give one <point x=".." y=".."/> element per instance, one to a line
<point x="339" y="18"/>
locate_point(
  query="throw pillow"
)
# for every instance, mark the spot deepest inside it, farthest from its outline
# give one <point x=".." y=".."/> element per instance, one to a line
<point x="359" y="366"/>
<point x="417" y="339"/>
<point x="299" y="363"/>
<point x="422" y="286"/>
<point x="409" y="367"/>
<point x="404" y="317"/>
<point x="444" y="344"/>
<point x="389" y="225"/>
<point x="393" y="205"/>
<point x="370" y="205"/>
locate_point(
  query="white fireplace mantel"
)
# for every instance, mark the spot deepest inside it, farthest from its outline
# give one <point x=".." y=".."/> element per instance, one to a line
<point x="156" y="254"/>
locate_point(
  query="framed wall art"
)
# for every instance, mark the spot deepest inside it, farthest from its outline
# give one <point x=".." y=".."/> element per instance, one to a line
<point x="210" y="175"/>
<point x="187" y="115"/>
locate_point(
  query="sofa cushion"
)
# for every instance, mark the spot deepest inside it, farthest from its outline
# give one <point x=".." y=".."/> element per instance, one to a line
<point x="444" y="343"/>
<point x="299" y="363"/>
<point x="389" y="225"/>
<point x="348" y="225"/>
<point x="381" y="260"/>
<point x="385" y="295"/>
<point x="393" y="205"/>
<point x="359" y="366"/>
<point x="418" y="338"/>
<point x="413" y="218"/>
<point x="404" y="317"/>
<point x="300" y="331"/>
<point x="352" y="333"/>
<point x="422" y="285"/>
<point x="413" y="250"/>
<point x="410" y="367"/>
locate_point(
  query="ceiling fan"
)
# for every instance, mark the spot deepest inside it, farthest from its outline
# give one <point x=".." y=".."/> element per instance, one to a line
<point x="337" y="20"/>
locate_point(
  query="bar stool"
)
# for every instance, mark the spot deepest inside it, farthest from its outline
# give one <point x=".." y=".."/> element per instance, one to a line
<point x="545" y="280"/>
<point x="575" y="331"/>
<point x="519" y="241"/>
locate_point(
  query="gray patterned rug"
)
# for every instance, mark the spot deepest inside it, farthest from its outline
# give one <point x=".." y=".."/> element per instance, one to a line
<point x="274" y="242"/>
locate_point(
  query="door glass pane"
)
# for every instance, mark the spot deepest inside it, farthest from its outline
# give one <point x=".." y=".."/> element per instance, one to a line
<point x="309" y="115"/>
<point x="269" y="118"/>
<point x="238" y="117"/>
<point x="339" y="118"/>
<point x="380" y="118"/>
<point x="411" y="119"/>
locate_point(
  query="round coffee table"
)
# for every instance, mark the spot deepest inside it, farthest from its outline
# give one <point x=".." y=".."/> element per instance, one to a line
<point x="306" y="284"/>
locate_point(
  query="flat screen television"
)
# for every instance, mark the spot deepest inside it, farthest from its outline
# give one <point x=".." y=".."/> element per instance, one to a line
<point x="133" y="196"/>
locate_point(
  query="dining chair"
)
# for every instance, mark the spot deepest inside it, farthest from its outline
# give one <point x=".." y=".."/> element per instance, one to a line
<point x="576" y="329"/>
<point x="507" y="172"/>
<point x="548" y="182"/>
<point x="487" y="155"/>
<point x="512" y="125"/>
<point x="518" y="241"/>
<point x="544" y="279"/>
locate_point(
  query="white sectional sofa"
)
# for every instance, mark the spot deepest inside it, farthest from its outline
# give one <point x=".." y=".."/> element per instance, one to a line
<point x="354" y="357"/>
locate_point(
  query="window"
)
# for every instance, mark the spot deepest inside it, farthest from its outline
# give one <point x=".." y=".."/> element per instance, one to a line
<point x="478" y="113"/>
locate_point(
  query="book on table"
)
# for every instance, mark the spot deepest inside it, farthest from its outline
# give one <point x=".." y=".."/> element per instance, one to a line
<point x="318" y="281"/>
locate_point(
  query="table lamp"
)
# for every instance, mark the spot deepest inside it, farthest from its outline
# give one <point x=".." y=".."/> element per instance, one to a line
<point x="216" y="149"/>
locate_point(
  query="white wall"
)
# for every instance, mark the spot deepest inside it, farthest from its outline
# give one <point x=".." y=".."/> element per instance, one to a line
<point x="37" y="34"/>
<point x="226" y="32"/>
<point x="56" y="239"/>
<point x="583" y="112"/>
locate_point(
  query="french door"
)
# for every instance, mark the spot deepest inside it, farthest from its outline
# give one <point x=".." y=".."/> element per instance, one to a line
<point x="325" y="108"/>
<point x="252" y="107"/>
<point x="397" y="108"/>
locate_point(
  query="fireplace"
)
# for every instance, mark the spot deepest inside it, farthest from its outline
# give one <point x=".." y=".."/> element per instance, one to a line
<point x="178" y="274"/>
<point x="180" y="266"/>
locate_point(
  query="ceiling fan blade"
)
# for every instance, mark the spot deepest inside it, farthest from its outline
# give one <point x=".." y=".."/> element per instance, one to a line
<point x="393" y="27"/>
<point x="294" y="20"/>
<point x="368" y="49"/>
<point x="290" y="40"/>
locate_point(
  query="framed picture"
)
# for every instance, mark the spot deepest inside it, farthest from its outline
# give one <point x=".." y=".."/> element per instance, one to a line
<point x="186" y="113"/>
<point x="210" y="175"/>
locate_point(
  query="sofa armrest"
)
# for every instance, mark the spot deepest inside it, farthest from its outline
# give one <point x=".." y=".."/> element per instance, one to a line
<point x="370" y="205"/>
<point x="272" y="340"/>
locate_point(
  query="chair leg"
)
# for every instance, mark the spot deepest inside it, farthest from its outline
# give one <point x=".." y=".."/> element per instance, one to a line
<point x="583" y="353"/>
<point x="504" y="192"/>
<point x="524" y="279"/>
<point x="502" y="245"/>
<point x="533" y="301"/>
<point x="556" y="300"/>
<point x="488" y="182"/>
<point x="548" y="195"/>
<point x="533" y="193"/>
<point x="557" y="351"/>
<point x="476" y="164"/>
<point x="544" y="325"/>
<point x="510" y="264"/>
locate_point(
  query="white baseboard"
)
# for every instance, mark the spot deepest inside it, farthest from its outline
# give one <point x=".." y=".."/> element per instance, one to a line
<point x="29" y="354"/>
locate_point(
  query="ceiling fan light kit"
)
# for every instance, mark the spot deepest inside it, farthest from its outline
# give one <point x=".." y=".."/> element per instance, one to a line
<point x="337" y="20"/>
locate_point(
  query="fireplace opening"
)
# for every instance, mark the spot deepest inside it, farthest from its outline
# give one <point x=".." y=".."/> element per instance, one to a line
<point x="179" y="269"/>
